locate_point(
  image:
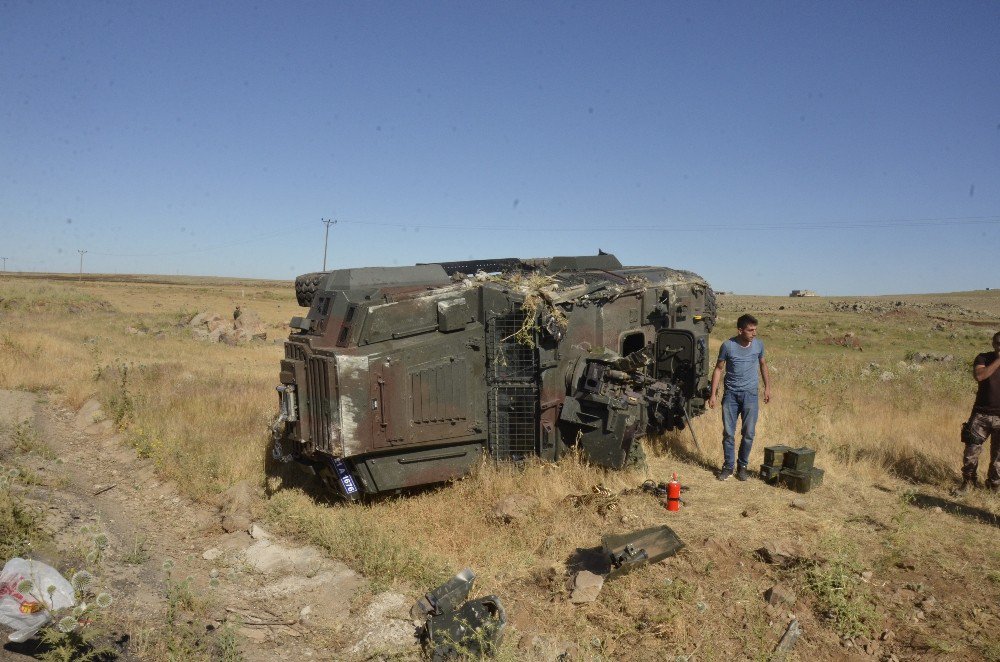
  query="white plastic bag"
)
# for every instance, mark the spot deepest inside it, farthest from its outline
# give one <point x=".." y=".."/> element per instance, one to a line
<point x="29" y="592"/>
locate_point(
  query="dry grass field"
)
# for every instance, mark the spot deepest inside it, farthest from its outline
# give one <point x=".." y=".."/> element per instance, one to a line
<point x="888" y="565"/>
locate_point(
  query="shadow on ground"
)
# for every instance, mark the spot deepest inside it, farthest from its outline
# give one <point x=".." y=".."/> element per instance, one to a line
<point x="592" y="559"/>
<point x="672" y="444"/>
<point x="928" y="501"/>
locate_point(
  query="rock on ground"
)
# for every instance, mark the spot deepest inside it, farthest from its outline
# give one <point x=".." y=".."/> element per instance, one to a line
<point x="586" y="587"/>
<point x="89" y="414"/>
<point x="213" y="327"/>
<point x="385" y="625"/>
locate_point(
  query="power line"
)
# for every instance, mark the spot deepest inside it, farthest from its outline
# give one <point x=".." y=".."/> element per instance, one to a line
<point x="899" y="223"/>
<point x="213" y="247"/>
<point x="705" y="227"/>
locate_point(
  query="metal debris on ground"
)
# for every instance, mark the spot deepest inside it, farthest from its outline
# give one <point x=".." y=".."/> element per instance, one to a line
<point x="787" y="641"/>
<point x="603" y="500"/>
<point x="453" y="630"/>
<point x="446" y="597"/>
<point x="631" y="550"/>
<point x="472" y="631"/>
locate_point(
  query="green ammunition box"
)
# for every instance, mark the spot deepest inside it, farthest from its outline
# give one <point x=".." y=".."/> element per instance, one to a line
<point x="799" y="459"/>
<point x="801" y="481"/>
<point x="775" y="455"/>
<point x="769" y="472"/>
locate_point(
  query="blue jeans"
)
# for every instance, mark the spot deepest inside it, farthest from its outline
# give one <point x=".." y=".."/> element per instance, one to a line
<point x="735" y="404"/>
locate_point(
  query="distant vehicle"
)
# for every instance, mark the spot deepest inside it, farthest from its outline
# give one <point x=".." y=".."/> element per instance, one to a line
<point x="406" y="376"/>
<point x="803" y="293"/>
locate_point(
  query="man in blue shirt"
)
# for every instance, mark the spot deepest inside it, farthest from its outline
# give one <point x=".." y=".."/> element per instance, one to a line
<point x="740" y="356"/>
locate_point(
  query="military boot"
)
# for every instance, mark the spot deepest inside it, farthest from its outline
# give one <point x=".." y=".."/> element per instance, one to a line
<point x="967" y="484"/>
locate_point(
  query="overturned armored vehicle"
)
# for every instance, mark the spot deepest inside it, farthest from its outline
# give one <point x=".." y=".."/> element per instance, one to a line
<point x="406" y="376"/>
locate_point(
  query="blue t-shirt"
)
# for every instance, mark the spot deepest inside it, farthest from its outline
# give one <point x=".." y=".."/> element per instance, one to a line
<point x="742" y="364"/>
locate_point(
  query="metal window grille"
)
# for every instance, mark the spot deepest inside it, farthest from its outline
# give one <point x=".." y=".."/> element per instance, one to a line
<point x="510" y="361"/>
<point x="514" y="421"/>
<point x="513" y="376"/>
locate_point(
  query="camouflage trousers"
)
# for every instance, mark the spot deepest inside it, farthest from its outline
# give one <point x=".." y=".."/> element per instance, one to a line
<point x="984" y="426"/>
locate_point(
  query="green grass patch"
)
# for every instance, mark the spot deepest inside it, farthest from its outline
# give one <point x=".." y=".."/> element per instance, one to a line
<point x="26" y="440"/>
<point x="841" y="596"/>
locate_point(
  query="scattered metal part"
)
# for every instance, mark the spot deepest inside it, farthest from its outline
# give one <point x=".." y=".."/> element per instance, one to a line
<point x="632" y="550"/>
<point x="472" y="631"/>
<point x="455" y="630"/>
<point x="787" y="641"/>
<point x="447" y="597"/>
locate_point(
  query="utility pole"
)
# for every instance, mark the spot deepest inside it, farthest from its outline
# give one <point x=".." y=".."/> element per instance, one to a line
<point x="328" y="222"/>
<point x="4" y="264"/>
<point x="81" y="263"/>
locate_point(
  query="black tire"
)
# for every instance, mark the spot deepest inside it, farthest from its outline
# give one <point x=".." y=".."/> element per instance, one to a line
<point x="306" y="286"/>
<point x="711" y="309"/>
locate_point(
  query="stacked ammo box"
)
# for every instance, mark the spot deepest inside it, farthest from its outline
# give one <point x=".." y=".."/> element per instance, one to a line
<point x="791" y="467"/>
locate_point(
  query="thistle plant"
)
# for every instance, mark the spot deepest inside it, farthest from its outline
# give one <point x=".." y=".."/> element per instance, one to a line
<point x="75" y="633"/>
<point x="82" y="581"/>
<point x="99" y="543"/>
<point x="180" y="597"/>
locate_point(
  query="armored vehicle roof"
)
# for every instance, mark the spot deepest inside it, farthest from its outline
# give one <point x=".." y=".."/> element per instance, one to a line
<point x="562" y="272"/>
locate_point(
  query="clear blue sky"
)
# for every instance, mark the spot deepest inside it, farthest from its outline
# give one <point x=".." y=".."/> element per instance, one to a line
<point x="845" y="147"/>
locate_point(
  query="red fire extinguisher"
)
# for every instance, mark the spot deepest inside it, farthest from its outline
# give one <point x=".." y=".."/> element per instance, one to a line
<point x="674" y="494"/>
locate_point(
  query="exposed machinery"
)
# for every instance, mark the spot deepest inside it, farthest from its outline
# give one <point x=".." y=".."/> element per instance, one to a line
<point x="407" y="376"/>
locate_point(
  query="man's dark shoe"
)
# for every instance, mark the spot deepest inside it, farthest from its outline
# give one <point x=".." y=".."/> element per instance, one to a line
<point x="725" y="474"/>
<point x="741" y="474"/>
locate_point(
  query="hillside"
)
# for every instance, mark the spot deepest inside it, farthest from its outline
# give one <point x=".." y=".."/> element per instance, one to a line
<point x="168" y="465"/>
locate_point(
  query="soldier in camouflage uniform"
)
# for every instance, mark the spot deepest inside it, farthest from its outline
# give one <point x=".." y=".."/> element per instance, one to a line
<point x="985" y="420"/>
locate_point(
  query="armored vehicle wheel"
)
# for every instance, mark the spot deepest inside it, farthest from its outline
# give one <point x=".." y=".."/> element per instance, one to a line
<point x="306" y="286"/>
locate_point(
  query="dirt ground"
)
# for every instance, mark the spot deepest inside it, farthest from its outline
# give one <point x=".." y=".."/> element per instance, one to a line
<point x="281" y="601"/>
<point x="285" y="601"/>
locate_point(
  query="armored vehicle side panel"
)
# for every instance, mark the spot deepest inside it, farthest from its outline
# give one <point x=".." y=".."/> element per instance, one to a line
<point x="406" y="376"/>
